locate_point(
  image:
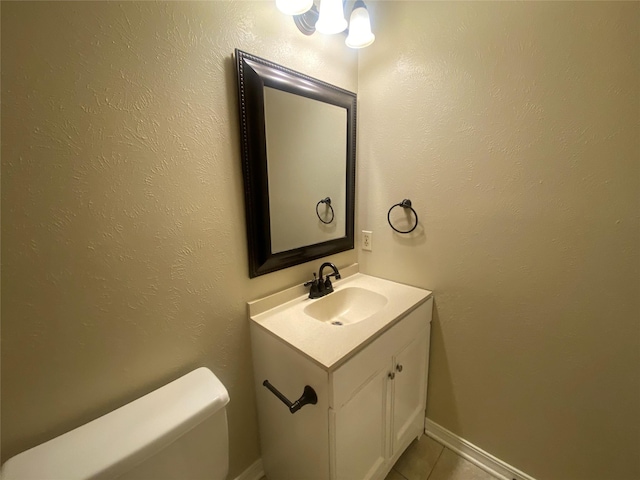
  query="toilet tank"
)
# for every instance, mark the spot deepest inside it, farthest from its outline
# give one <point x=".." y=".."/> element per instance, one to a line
<point x="176" y="432"/>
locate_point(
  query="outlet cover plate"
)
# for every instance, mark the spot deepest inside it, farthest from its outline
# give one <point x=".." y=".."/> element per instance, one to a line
<point x="367" y="239"/>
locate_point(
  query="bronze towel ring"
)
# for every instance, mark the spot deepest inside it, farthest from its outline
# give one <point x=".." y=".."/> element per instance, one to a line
<point x="327" y="202"/>
<point x="406" y="203"/>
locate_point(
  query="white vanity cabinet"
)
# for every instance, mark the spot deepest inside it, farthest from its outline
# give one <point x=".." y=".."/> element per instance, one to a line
<point x="371" y="403"/>
<point x="379" y="399"/>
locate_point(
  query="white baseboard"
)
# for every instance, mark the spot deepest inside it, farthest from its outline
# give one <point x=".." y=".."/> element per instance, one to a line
<point x="462" y="447"/>
<point x="475" y="455"/>
<point x="254" y="472"/>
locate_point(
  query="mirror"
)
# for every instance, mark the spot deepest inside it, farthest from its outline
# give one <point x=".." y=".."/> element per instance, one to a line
<point x="298" y="155"/>
<point x="293" y="124"/>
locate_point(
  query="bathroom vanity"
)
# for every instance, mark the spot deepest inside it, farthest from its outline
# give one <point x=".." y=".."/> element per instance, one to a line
<point x="364" y="349"/>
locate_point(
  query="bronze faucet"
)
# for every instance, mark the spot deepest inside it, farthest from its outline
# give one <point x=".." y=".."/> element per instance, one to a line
<point x="319" y="286"/>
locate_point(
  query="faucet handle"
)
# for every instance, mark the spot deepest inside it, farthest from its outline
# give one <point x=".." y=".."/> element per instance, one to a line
<point x="312" y="283"/>
<point x="314" y="291"/>
<point x="328" y="288"/>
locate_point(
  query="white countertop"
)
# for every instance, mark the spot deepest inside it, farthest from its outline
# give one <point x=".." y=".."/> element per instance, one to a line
<point x="330" y="345"/>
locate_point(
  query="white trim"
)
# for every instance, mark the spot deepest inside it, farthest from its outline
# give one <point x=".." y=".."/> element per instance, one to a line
<point x="475" y="455"/>
<point x="254" y="472"/>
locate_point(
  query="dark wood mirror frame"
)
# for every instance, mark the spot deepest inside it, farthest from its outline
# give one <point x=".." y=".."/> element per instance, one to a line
<point x="254" y="74"/>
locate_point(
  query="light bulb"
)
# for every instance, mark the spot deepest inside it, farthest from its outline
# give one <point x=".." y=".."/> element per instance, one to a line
<point x="294" y="7"/>
<point x="331" y="19"/>
<point x="360" y="35"/>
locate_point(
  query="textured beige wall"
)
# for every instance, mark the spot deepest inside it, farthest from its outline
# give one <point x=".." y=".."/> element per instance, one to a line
<point x="514" y="128"/>
<point x="124" y="258"/>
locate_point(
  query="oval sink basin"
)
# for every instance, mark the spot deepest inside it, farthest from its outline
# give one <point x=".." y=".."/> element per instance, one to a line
<point x="346" y="306"/>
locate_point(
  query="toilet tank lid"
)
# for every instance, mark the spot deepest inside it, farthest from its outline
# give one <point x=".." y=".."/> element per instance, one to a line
<point x="112" y="444"/>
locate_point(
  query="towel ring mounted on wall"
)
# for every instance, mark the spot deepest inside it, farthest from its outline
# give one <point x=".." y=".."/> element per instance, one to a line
<point x="327" y="202"/>
<point x="406" y="203"/>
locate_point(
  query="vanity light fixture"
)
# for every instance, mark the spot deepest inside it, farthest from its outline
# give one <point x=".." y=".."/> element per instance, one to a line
<point x="294" y="7"/>
<point x="360" y="35"/>
<point x="330" y="19"/>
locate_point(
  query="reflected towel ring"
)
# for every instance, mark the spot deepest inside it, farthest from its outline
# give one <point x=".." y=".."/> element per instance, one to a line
<point x="406" y="203"/>
<point x="327" y="202"/>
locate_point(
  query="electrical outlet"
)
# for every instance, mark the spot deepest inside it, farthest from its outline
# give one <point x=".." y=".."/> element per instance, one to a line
<point x="367" y="238"/>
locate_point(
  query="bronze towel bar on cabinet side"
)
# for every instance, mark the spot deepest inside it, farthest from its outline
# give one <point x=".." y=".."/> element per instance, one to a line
<point x="308" y="397"/>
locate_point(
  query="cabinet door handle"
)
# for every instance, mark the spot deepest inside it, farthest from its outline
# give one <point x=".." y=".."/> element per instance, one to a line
<point x="399" y="368"/>
<point x="392" y="375"/>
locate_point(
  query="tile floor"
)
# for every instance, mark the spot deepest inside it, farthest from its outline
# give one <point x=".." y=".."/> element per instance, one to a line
<point x="426" y="459"/>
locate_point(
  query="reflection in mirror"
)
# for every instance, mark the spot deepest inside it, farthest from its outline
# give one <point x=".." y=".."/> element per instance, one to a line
<point x="306" y="162"/>
<point x="298" y="139"/>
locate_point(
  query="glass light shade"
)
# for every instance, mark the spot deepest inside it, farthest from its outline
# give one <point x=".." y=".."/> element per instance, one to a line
<point x="294" y="7"/>
<point x="331" y="19"/>
<point x="359" y="28"/>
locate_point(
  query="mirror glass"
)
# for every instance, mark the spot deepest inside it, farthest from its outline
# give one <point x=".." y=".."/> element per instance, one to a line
<point x="306" y="163"/>
<point x="298" y="154"/>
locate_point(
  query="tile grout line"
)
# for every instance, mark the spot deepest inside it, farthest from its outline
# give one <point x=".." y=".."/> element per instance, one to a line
<point x="436" y="462"/>
<point x="393" y="468"/>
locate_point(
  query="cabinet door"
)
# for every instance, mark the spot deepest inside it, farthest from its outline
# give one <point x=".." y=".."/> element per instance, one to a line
<point x="360" y="431"/>
<point x="409" y="391"/>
